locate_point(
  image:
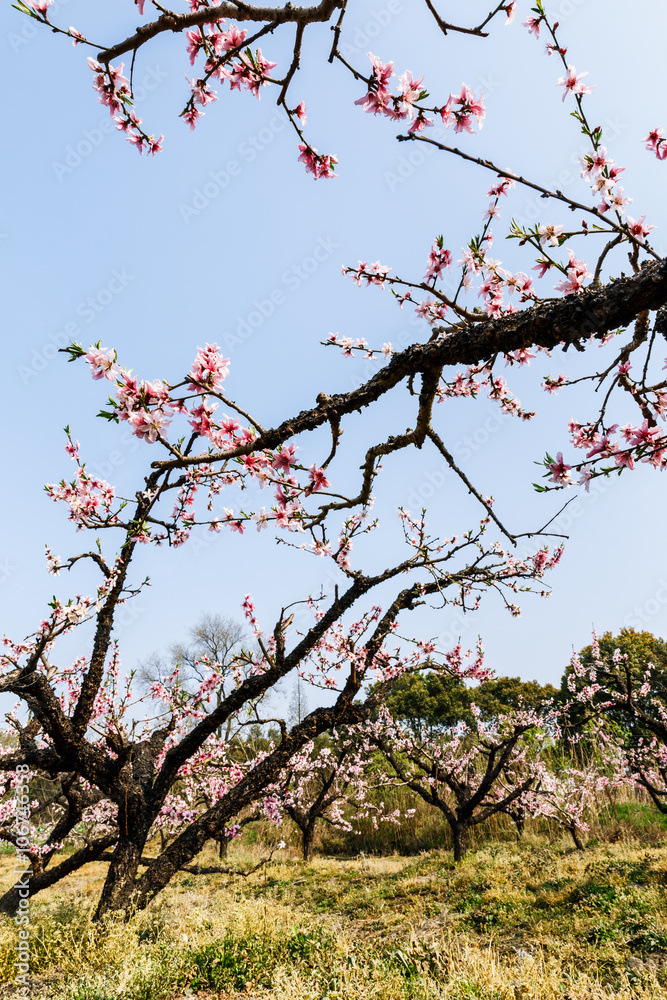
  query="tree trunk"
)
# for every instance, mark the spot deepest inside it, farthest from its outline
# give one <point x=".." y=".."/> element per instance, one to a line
<point x="579" y="844"/>
<point x="307" y="845"/>
<point x="223" y="847"/>
<point x="519" y="823"/>
<point x="461" y="836"/>
<point x="119" y="888"/>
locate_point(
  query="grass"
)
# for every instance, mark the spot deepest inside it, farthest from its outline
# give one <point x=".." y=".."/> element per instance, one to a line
<point x="525" y="921"/>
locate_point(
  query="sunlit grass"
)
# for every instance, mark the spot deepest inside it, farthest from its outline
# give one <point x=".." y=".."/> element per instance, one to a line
<point x="529" y="920"/>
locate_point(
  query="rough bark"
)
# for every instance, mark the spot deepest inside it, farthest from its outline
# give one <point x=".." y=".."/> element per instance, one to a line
<point x="37" y="882"/>
<point x="578" y="842"/>
<point x="593" y="312"/>
<point x="461" y="837"/>
<point x="119" y="890"/>
<point x="308" y="834"/>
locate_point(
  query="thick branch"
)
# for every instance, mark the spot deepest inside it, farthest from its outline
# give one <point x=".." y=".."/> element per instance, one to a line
<point x="593" y="312"/>
<point x="209" y="15"/>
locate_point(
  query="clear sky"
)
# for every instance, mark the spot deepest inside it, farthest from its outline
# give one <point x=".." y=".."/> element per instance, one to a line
<point x="154" y="257"/>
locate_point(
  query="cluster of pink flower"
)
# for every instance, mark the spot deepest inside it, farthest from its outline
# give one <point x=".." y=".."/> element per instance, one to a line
<point x="645" y="443"/>
<point x="373" y="274"/>
<point x="89" y="498"/>
<point x="603" y="174"/>
<point x="495" y="279"/>
<point x="251" y="70"/>
<point x="209" y="370"/>
<point x="438" y="260"/>
<point x="577" y="272"/>
<point x="398" y="107"/>
<point x="149" y="407"/>
<point x="572" y="84"/>
<point x="317" y="164"/>
<point x="114" y="92"/>
<point x="146" y="406"/>
<point x="467" y="665"/>
<point x="537" y="564"/>
<point x="461" y="108"/>
<point x="656" y="143"/>
<point x="552" y="385"/>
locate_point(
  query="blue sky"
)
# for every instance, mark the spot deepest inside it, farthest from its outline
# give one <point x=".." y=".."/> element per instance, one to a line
<point x="154" y="257"/>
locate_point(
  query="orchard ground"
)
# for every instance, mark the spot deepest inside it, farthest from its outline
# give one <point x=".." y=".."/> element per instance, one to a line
<point x="534" y="919"/>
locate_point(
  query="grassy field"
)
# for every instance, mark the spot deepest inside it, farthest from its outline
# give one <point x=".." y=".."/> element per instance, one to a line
<point x="512" y="922"/>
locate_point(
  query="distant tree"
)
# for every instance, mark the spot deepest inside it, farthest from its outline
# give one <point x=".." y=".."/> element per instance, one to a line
<point x="638" y="650"/>
<point x="298" y="705"/>
<point x="436" y="703"/>
<point x="628" y="697"/>
<point x="429" y="701"/>
<point x="329" y="782"/>
<point x="500" y="695"/>
<point x="471" y="773"/>
<point x="214" y="638"/>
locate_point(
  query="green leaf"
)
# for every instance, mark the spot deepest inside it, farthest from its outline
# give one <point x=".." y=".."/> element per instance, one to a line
<point x="24" y="9"/>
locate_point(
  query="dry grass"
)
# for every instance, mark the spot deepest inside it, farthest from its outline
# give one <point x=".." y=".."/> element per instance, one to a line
<point x="512" y="922"/>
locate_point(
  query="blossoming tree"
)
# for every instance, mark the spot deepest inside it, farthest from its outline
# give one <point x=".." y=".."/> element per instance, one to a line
<point x="470" y="774"/>
<point x="84" y="721"/>
<point x="331" y="784"/>
<point x="614" y="688"/>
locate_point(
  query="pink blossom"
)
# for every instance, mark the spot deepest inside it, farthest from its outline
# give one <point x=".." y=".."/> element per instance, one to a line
<point x="261" y="519"/>
<point x="572" y="83"/>
<point x="192" y="116"/>
<point x="438" y="260"/>
<point x="616" y="200"/>
<point x="552" y="385"/>
<point x="251" y="71"/>
<point x="316" y="163"/>
<point x="410" y="88"/>
<point x="533" y="25"/>
<point x="420" y="123"/>
<point x="149" y="424"/>
<point x="638" y="228"/>
<point x="233" y="38"/>
<point x="504" y="185"/>
<point x="102" y="363"/>
<point x="318" y="479"/>
<point x="469" y="107"/>
<point x="577" y="272"/>
<point x="201" y="92"/>
<point x="209" y="369"/>
<point x="560" y="471"/>
<point x="374" y="274"/>
<point x="549" y="234"/>
<point x="655" y="143"/>
<point x="285" y="458"/>
<point x="195" y="42"/>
